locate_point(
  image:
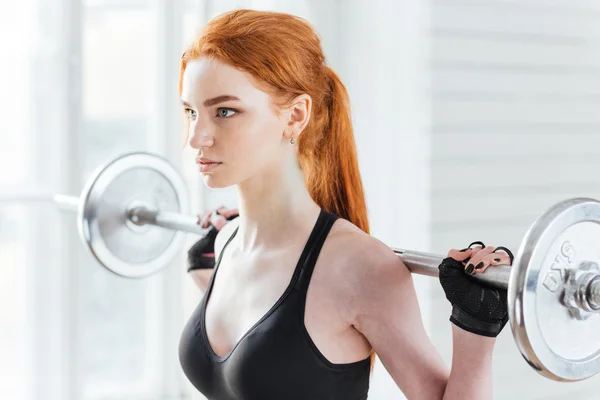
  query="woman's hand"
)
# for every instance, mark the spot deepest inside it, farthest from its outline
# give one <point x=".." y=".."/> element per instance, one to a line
<point x="217" y="217"/>
<point x="476" y="307"/>
<point x="202" y="254"/>
<point x="477" y="259"/>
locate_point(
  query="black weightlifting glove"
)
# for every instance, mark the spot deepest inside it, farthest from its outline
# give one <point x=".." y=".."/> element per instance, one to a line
<point x="476" y="307"/>
<point x="202" y="254"/>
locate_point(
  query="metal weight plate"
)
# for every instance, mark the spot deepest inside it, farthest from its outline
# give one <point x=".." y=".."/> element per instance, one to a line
<point x="133" y="179"/>
<point x="552" y="341"/>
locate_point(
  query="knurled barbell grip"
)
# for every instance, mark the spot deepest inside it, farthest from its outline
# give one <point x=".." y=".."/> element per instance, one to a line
<point x="427" y="264"/>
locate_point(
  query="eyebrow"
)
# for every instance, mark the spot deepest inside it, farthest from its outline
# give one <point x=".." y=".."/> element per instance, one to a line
<point x="214" y="100"/>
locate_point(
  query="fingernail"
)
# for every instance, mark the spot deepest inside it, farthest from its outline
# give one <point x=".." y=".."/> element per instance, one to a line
<point x="463" y="250"/>
<point x="479" y="266"/>
<point x="467" y="260"/>
<point x="469" y="269"/>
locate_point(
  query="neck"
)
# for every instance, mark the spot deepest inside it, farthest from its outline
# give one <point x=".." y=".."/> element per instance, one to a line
<point x="274" y="208"/>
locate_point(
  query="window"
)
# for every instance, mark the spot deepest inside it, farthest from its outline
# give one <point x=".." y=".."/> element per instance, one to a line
<point x="79" y="87"/>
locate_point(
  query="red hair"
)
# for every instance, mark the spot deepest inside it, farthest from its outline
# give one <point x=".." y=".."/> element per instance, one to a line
<point x="283" y="52"/>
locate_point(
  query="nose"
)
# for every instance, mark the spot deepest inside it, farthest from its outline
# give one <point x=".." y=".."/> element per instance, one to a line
<point x="200" y="137"/>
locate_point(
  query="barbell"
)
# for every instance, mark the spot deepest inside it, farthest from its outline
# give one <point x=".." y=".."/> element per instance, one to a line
<point x="133" y="211"/>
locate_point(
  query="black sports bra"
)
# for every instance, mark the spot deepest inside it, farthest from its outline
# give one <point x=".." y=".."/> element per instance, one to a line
<point x="276" y="359"/>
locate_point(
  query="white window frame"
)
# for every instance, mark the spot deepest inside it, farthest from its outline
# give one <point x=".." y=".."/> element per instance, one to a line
<point x="53" y="308"/>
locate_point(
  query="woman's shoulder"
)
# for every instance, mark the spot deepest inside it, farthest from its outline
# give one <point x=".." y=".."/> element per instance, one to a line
<point x="362" y="266"/>
<point x="357" y="252"/>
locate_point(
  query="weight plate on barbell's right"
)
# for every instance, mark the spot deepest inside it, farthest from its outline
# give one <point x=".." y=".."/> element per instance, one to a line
<point x="554" y="343"/>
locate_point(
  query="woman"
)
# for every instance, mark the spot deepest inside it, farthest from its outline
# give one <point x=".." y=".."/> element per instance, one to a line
<point x="302" y="296"/>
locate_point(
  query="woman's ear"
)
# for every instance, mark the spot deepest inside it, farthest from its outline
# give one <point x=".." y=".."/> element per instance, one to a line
<point x="299" y="114"/>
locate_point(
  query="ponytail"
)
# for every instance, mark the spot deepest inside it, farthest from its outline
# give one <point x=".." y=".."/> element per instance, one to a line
<point x="331" y="168"/>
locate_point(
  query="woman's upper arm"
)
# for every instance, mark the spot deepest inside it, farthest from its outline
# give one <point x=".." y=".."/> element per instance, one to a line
<point x="386" y="312"/>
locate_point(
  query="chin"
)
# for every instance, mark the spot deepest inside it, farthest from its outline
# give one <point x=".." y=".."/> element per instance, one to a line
<point x="214" y="182"/>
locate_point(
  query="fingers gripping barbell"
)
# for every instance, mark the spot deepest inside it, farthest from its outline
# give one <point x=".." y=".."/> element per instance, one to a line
<point x="133" y="211"/>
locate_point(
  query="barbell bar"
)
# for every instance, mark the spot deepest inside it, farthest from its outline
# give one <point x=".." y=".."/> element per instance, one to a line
<point x="133" y="212"/>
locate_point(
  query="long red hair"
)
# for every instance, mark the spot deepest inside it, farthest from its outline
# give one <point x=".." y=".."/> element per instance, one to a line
<point x="283" y="52"/>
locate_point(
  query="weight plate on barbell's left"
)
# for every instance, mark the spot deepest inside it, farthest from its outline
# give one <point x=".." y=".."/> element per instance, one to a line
<point x="560" y="241"/>
<point x="130" y="180"/>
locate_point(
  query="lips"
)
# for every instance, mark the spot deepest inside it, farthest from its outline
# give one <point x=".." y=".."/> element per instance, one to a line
<point x="206" y="166"/>
<point x="203" y="160"/>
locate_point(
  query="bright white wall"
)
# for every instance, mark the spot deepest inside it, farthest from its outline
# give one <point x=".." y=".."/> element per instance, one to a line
<point x="515" y="129"/>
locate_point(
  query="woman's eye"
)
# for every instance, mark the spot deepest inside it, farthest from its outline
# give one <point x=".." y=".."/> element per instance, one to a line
<point x="225" y="112"/>
<point x="191" y="114"/>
